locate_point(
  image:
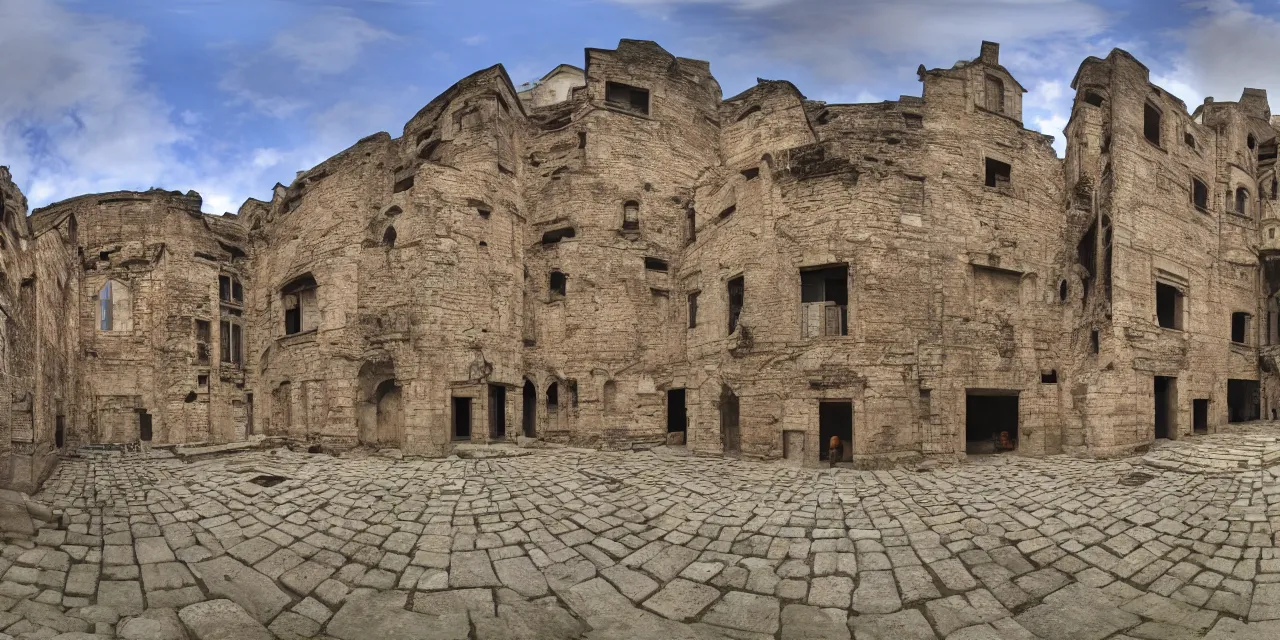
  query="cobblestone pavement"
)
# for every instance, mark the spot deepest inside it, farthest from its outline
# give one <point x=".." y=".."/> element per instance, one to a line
<point x="573" y="544"/>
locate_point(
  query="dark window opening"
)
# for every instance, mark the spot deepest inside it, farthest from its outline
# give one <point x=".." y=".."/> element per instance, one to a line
<point x="529" y="415"/>
<point x="203" y="329"/>
<point x="237" y="291"/>
<point x="1200" y="415"/>
<point x="1242" y="201"/>
<point x="631" y="215"/>
<point x="553" y="398"/>
<point x="691" y="226"/>
<point x="1240" y="327"/>
<point x="737" y="294"/>
<point x="627" y="97"/>
<point x="1252" y="142"/>
<point x="693" y="309"/>
<point x="1095" y="341"/>
<point x="224" y="288"/>
<point x="557" y="284"/>
<point x="389" y="237"/>
<point x="202" y="382"/>
<point x="60" y="432"/>
<point x="991" y="422"/>
<point x="462" y="418"/>
<point x="835" y="419"/>
<point x="1062" y="291"/>
<point x="497" y="412"/>
<point x="1087" y="256"/>
<point x="1151" y="124"/>
<point x="231" y="339"/>
<point x="582" y="139"/>
<point x="655" y="264"/>
<point x="1093" y="98"/>
<point x="1189" y="139"/>
<point x="1267" y="151"/>
<point x="1169" y="301"/>
<point x="1242" y="400"/>
<point x="1200" y="194"/>
<point x="1166" y="406"/>
<point x="298" y="298"/>
<point x="144" y="426"/>
<point x="1049" y="377"/>
<point x="403" y="185"/>
<point x="999" y="174"/>
<point x="728" y="212"/>
<point x="752" y="173"/>
<point x="556" y="235"/>
<point x="484" y="213"/>
<point x="1275" y="188"/>
<point x="824" y="302"/>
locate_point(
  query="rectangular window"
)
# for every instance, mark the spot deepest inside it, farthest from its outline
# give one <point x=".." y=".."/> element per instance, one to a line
<point x="824" y="302"/>
<point x="1151" y="124"/>
<point x="627" y="97"/>
<point x="224" y="288"/>
<point x="999" y="174"/>
<point x="1240" y="327"/>
<point x="292" y="315"/>
<point x="1169" y="305"/>
<point x="1200" y="194"/>
<point x="693" y="309"/>
<point x="224" y="340"/>
<point x="202" y="382"/>
<point x="237" y="292"/>
<point x="298" y="298"/>
<point x="995" y="94"/>
<point x="237" y="348"/>
<point x="691" y="226"/>
<point x="231" y="338"/>
<point x="558" y="285"/>
<point x="655" y="264"/>
<point x="202" y="341"/>
<point x="737" y="294"/>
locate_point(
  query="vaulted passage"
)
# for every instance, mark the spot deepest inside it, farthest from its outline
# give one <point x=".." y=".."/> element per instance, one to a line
<point x="990" y="421"/>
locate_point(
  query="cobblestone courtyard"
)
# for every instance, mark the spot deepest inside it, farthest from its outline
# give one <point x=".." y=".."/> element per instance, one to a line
<point x="567" y="544"/>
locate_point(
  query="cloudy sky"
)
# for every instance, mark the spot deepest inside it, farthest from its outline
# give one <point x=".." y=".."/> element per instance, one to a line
<point x="228" y="97"/>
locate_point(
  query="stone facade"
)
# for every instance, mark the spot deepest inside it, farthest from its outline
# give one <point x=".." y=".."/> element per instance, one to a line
<point x="616" y="253"/>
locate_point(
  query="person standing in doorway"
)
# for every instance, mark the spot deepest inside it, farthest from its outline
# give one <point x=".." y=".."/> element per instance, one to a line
<point x="834" y="449"/>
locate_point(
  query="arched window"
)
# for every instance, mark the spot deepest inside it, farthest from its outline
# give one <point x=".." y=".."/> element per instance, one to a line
<point x="114" y="307"/>
<point x="389" y="237"/>
<point x="631" y="215"/>
<point x="610" y="396"/>
<point x="1242" y="201"/>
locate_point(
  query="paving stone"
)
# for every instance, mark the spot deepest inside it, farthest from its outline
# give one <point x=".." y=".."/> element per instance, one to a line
<point x="226" y="577"/>
<point x="746" y="612"/>
<point x="222" y="620"/>
<point x="383" y="615"/>
<point x="681" y="599"/>
<point x="909" y="624"/>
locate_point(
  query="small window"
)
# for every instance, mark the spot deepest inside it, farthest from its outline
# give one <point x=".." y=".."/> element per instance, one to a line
<point x="1169" y="305"/>
<point x="1275" y="186"/>
<point x="389" y="237"/>
<point x="999" y="174"/>
<point x="556" y="235"/>
<point x="752" y="173"/>
<point x="824" y="302"/>
<point x="1242" y="201"/>
<point x="737" y="295"/>
<point x="631" y="215"/>
<point x="557" y="284"/>
<point x="627" y="97"/>
<point x="693" y="309"/>
<point x="728" y="211"/>
<point x="1095" y="342"/>
<point x="202" y="382"/>
<point x="1252" y="142"/>
<point x="1062" y="291"/>
<point x="1189" y="139"/>
<point x="655" y="264"/>
<point x="231" y="337"/>
<point x="1151" y="124"/>
<point x="995" y="94"/>
<point x="1093" y="98"/>
<point x="298" y="298"/>
<point x="691" y="226"/>
<point x="202" y="341"/>
<point x="1200" y="194"/>
<point x="484" y="213"/>
<point x="114" y="307"/>
<point x="1240" y="327"/>
<point x="403" y="185"/>
<point x="229" y="290"/>
<point x="224" y="288"/>
<point x="1049" y="377"/>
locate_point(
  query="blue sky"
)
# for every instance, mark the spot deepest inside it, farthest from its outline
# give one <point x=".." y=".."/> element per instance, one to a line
<point x="228" y="97"/>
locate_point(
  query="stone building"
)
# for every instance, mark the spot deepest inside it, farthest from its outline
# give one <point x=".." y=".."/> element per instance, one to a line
<point x="616" y="252"/>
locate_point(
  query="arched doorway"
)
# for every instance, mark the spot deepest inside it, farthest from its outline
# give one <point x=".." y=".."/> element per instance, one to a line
<point x="530" y="417"/>
<point x="390" y="431"/>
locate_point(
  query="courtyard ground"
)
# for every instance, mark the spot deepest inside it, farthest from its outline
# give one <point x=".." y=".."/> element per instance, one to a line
<point x="563" y="543"/>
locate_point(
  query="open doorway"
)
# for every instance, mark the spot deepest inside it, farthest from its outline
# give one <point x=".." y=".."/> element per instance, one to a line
<point x="1200" y="415"/>
<point x="677" y="414"/>
<point x="497" y="412"/>
<point x="990" y="421"/>
<point x="1166" y="391"/>
<point x="529" y="419"/>
<point x="144" y="425"/>
<point x="729" y="435"/>
<point x="462" y="418"/>
<point x="835" y="419"/>
<point x="1242" y="400"/>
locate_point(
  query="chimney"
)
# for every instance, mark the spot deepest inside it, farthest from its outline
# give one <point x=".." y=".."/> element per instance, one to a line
<point x="990" y="52"/>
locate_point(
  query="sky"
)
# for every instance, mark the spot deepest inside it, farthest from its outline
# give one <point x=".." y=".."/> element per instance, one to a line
<point x="229" y="97"/>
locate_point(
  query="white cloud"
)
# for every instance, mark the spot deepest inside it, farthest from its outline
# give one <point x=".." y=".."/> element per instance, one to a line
<point x="326" y="43"/>
<point x="1228" y="46"/>
<point x="472" y="41"/>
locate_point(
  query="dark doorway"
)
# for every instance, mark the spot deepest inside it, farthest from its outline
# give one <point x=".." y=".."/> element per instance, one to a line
<point x="248" y="414"/>
<point x="835" y="419"/>
<point x="144" y="426"/>
<point x="59" y="431"/>
<point x="497" y="412"/>
<point x="677" y="414"/>
<point x="462" y="418"/>
<point x="1200" y="415"/>
<point x="1166" y="389"/>
<point x="730" y="437"/>
<point x="990" y="421"/>
<point x="1242" y="400"/>
<point x="530" y="417"/>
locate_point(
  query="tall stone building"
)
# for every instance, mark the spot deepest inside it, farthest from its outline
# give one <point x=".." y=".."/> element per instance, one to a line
<point x="616" y="252"/>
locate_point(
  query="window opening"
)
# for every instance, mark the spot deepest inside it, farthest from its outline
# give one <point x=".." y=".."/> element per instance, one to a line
<point x="737" y="294"/>
<point x="1093" y="98"/>
<point x="1151" y="124"/>
<point x="202" y="382"/>
<point x="752" y="173"/>
<point x="1095" y="341"/>
<point x="1240" y="327"/>
<point x="1189" y="139"/>
<point x="1200" y="194"/>
<point x="999" y="174"/>
<point x="557" y="283"/>
<point x="389" y="237"/>
<point x="1049" y="377"/>
<point x="1242" y="201"/>
<point x="729" y="211"/>
<point x="691" y="226"/>
<point x="824" y="302"/>
<point x="1169" y="306"/>
<point x="403" y="185"/>
<point x="299" y="300"/>
<point x="655" y="264"/>
<point x="556" y="235"/>
<point x="995" y="94"/>
<point x="1062" y="291"/>
<point x="631" y="215"/>
<point x="693" y="309"/>
<point x="231" y="337"/>
<point x="627" y="97"/>
<point x="202" y="341"/>
<point x="1252" y="142"/>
